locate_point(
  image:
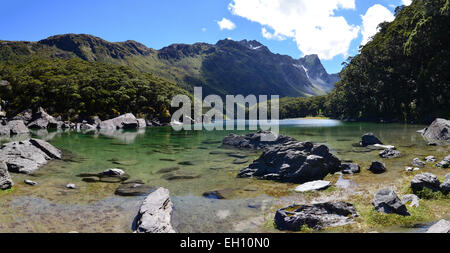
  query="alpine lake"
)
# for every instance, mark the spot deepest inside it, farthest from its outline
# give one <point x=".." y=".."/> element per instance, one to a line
<point x="249" y="205"/>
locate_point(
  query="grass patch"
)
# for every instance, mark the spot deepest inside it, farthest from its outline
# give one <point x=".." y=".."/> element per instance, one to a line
<point x="6" y="192"/>
<point x="426" y="193"/>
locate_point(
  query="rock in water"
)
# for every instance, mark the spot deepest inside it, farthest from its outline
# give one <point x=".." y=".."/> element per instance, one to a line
<point x="127" y="121"/>
<point x="350" y="168"/>
<point x="370" y="139"/>
<point x="155" y="213"/>
<point x="5" y="179"/>
<point x="442" y="227"/>
<point x="17" y="127"/>
<point x="386" y="201"/>
<point x="142" y="123"/>
<point x="259" y="140"/>
<point x="294" y="162"/>
<point x="445" y="186"/>
<point x="418" y="163"/>
<point x="390" y="153"/>
<point x="313" y="186"/>
<point x="133" y="189"/>
<point x="316" y="216"/>
<point x="439" y="130"/>
<point x="113" y="173"/>
<point x="377" y="168"/>
<point x="445" y="163"/>
<point x="425" y="180"/>
<point x="28" y="156"/>
<point x="29" y="182"/>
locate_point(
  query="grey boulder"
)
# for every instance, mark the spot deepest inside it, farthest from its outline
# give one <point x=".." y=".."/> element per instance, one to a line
<point x="258" y="140"/>
<point x="411" y="198"/>
<point x="28" y="156"/>
<point x="377" y="168"/>
<point x="350" y="168"/>
<point x="5" y="179"/>
<point x="445" y="186"/>
<point x="390" y="153"/>
<point x="386" y="201"/>
<point x="17" y="127"/>
<point x="294" y="162"/>
<point x="155" y="213"/>
<point x="445" y="163"/>
<point x="439" y="130"/>
<point x="441" y="227"/>
<point x="317" y="216"/>
<point x="42" y="120"/>
<point x="418" y="163"/>
<point x="127" y="121"/>
<point x="425" y="180"/>
<point x="313" y="186"/>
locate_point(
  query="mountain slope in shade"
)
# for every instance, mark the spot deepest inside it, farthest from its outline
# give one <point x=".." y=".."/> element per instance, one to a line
<point x="228" y="67"/>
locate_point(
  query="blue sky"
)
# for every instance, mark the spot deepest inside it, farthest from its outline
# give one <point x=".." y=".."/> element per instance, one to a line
<point x="331" y="28"/>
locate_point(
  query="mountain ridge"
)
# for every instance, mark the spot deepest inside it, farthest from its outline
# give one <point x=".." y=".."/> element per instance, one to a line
<point x="227" y="67"/>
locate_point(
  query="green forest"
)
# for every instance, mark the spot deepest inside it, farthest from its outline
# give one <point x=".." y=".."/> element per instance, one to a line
<point x="401" y="75"/>
<point x="76" y="88"/>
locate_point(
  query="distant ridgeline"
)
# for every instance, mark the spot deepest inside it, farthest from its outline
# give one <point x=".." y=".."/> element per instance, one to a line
<point x="403" y="74"/>
<point x="226" y="68"/>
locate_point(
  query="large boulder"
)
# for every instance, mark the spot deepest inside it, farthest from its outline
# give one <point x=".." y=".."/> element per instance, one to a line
<point x="28" y="156"/>
<point x="25" y="116"/>
<point x="439" y="130"/>
<point x="42" y="120"/>
<point x="369" y="139"/>
<point x="142" y="123"/>
<point x="5" y="131"/>
<point x="386" y="201"/>
<point x="155" y="213"/>
<point x="5" y="179"/>
<point x="18" y="127"/>
<point x="127" y="121"/>
<point x="317" y="216"/>
<point x="294" y="162"/>
<point x="259" y="140"/>
<point x="441" y="227"/>
<point x="425" y="180"/>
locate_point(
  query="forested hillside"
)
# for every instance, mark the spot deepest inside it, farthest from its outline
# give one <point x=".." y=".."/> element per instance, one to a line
<point x="402" y="74"/>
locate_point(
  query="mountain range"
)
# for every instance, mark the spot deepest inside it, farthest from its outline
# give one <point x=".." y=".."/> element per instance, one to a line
<point x="228" y="67"/>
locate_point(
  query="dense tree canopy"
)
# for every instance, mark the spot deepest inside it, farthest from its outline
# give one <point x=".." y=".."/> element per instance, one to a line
<point x="75" y="87"/>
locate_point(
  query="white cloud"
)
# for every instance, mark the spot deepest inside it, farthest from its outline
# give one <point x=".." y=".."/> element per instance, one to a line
<point x="203" y="29"/>
<point x="312" y="24"/>
<point x="226" y="24"/>
<point x="374" y="16"/>
<point x="271" y="36"/>
<point x="406" y="2"/>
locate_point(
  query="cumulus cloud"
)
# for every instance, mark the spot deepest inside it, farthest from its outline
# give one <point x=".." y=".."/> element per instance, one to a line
<point x="312" y="24"/>
<point x="406" y="2"/>
<point x="226" y="24"/>
<point x="374" y="16"/>
<point x="271" y="36"/>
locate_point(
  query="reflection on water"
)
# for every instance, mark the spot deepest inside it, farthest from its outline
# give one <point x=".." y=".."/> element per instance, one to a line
<point x="197" y="156"/>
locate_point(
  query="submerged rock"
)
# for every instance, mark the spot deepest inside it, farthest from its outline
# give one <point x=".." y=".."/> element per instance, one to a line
<point x="133" y="189"/>
<point x="441" y="227"/>
<point x="386" y="201"/>
<point x="295" y="162"/>
<point x="108" y="176"/>
<point x="425" y="180"/>
<point x="316" y="216"/>
<point x="369" y="139"/>
<point x="213" y="195"/>
<point x="180" y="175"/>
<point x="439" y="130"/>
<point x="5" y="179"/>
<point x="313" y="186"/>
<point x="377" y="168"/>
<point x="155" y="213"/>
<point x="350" y="168"/>
<point x="28" y="156"/>
<point x="259" y="140"/>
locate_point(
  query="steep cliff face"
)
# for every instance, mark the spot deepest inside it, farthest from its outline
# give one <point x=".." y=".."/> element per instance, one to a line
<point x="228" y="67"/>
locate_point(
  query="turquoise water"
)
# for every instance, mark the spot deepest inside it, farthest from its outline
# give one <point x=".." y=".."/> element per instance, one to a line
<point x="249" y="204"/>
